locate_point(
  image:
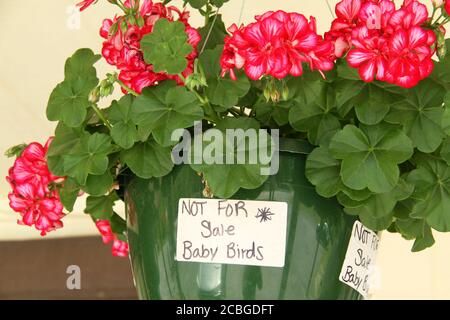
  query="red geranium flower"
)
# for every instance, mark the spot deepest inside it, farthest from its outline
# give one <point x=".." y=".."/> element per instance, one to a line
<point x="119" y="247"/>
<point x="276" y="45"/>
<point x="32" y="194"/>
<point x="383" y="42"/>
<point x="122" y="49"/>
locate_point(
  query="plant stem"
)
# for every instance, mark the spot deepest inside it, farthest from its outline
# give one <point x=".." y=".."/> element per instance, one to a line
<point x="101" y="116"/>
<point x="121" y="6"/>
<point x="432" y="16"/>
<point x="127" y="88"/>
<point x="208" y="108"/>
<point x="210" y="30"/>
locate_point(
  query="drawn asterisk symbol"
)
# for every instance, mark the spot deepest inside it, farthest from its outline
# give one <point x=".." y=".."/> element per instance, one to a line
<point x="264" y="214"/>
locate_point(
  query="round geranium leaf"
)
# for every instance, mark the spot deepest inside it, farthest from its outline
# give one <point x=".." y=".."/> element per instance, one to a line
<point x="222" y="91"/>
<point x="70" y="99"/>
<point x="445" y="150"/>
<point x="228" y="167"/>
<point x="370" y="156"/>
<point x="124" y="131"/>
<point x="323" y="171"/>
<point x="166" y="47"/>
<point x="421" y="114"/>
<point x="373" y="104"/>
<point x="89" y="156"/>
<point x="317" y="117"/>
<point x="148" y="160"/>
<point x="101" y="207"/>
<point x="163" y="110"/>
<point x="432" y="183"/>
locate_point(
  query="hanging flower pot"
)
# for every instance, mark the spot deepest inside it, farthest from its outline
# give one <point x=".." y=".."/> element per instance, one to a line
<point x="333" y="139"/>
<point x="318" y="233"/>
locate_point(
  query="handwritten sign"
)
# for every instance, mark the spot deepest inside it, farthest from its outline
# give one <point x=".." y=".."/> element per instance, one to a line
<point x="232" y="232"/>
<point x="360" y="259"/>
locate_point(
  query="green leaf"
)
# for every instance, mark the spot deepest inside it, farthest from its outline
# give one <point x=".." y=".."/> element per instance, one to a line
<point x="143" y="110"/>
<point x="148" y="160"/>
<point x="161" y="110"/>
<point x="432" y="183"/>
<point x="101" y="208"/>
<point x="317" y="117"/>
<point x="225" y="180"/>
<point x="421" y="115"/>
<point x="218" y="3"/>
<point x="270" y="112"/>
<point x="411" y="228"/>
<point x="426" y="241"/>
<point x="347" y="72"/>
<point x="222" y="91"/>
<point x="64" y="141"/>
<point x="68" y="193"/>
<point x="197" y="4"/>
<point x="89" y="156"/>
<point x="445" y="150"/>
<point x="15" y="151"/>
<point x="441" y="72"/>
<point x="166" y="47"/>
<point x="373" y="104"/>
<point x="357" y="195"/>
<point x="80" y="67"/>
<point x="118" y="225"/>
<point x="306" y="89"/>
<point x="446" y="120"/>
<point x="370" y="156"/>
<point x="323" y="171"/>
<point x="216" y="35"/>
<point x="98" y="185"/>
<point x="124" y="131"/>
<point x="346" y="92"/>
<point x="375" y="224"/>
<point x="68" y="103"/>
<point x="382" y="204"/>
<point x="70" y="99"/>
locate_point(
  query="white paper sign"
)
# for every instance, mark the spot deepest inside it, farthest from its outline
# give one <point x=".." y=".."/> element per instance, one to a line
<point x="359" y="262"/>
<point x="232" y="232"/>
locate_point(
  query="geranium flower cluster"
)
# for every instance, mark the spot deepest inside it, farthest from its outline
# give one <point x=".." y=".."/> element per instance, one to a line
<point x="276" y="45"/>
<point x="119" y="247"/>
<point x="122" y="49"/>
<point x="383" y="42"/>
<point x="32" y="194"/>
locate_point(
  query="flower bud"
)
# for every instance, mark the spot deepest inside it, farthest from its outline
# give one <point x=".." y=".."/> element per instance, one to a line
<point x="285" y="93"/>
<point x="442" y="52"/>
<point x="94" y="96"/>
<point x="266" y="93"/>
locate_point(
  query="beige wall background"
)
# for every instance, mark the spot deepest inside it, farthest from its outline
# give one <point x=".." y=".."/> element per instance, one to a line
<point x="36" y="37"/>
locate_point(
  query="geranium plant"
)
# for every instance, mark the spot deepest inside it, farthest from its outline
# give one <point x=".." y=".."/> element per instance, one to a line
<point x="372" y="96"/>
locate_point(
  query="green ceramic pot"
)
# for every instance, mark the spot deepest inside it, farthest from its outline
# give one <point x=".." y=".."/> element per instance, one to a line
<point x="317" y="237"/>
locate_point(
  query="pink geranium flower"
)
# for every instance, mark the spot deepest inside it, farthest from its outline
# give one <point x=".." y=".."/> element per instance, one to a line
<point x="385" y="43"/>
<point x="119" y="247"/>
<point x="122" y="49"/>
<point x="33" y="195"/>
<point x="276" y="45"/>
